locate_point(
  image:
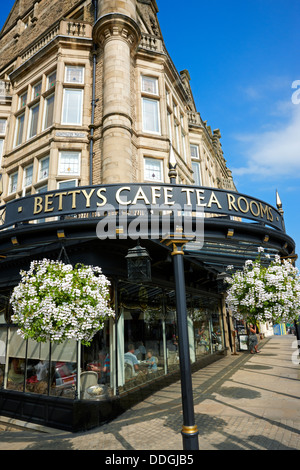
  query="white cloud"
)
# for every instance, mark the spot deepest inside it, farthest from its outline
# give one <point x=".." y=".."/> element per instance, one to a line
<point x="273" y="153"/>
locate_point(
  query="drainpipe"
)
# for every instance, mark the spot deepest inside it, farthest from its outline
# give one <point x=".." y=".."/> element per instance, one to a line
<point x="94" y="101"/>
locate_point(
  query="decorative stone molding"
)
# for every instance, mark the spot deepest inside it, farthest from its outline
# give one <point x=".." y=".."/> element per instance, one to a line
<point x="117" y="25"/>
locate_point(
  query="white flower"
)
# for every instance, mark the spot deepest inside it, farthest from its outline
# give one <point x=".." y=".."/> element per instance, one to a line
<point x="55" y="302"/>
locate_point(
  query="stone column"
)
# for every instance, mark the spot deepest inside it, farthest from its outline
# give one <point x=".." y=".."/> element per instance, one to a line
<point x="117" y="32"/>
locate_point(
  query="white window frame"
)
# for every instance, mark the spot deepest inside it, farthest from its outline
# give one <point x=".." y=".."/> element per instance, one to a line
<point x="41" y="178"/>
<point x="154" y="80"/>
<point x="24" y="176"/>
<point x="151" y="131"/>
<point x="62" y="173"/>
<point x="49" y="87"/>
<point x="80" y="111"/>
<point x="157" y="160"/>
<point x="195" y="146"/>
<point x="67" y="67"/>
<point x="39" y="83"/>
<point x="45" y="110"/>
<point x="38" y="105"/>
<point x="20" y="99"/>
<point x="4" y="120"/>
<point x="17" y="128"/>
<point x="67" y="181"/>
<point x="10" y="190"/>
<point x="198" y="172"/>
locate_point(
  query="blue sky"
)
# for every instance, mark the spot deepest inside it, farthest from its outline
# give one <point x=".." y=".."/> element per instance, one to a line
<point x="243" y="59"/>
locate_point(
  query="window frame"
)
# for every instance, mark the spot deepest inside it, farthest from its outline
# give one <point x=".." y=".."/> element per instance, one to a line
<point x="59" y="171"/>
<point x="64" y="121"/>
<point x="30" y="121"/>
<point x="15" y="173"/>
<point x="19" y="138"/>
<point x="45" y="116"/>
<point x="197" y="164"/>
<point x="196" y="146"/>
<point x="158" y="160"/>
<point x="40" y="168"/>
<point x="151" y="131"/>
<point x="69" y="66"/>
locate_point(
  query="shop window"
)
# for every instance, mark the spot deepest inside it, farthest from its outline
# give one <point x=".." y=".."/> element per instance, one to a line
<point x="69" y="163"/>
<point x="72" y="106"/>
<point x="153" y="170"/>
<point x="3" y="342"/>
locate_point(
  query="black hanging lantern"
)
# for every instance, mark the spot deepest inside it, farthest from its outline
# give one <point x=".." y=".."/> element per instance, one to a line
<point x="138" y="264"/>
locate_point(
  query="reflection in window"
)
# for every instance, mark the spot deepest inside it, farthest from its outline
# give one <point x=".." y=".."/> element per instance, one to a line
<point x="44" y="168"/>
<point x="72" y="106"/>
<point x="19" y="129"/>
<point x="150" y="115"/>
<point x="13" y="183"/>
<point x="49" y="110"/>
<point x="33" y="121"/>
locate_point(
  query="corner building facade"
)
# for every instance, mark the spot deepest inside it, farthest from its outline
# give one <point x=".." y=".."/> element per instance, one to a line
<point x="90" y="98"/>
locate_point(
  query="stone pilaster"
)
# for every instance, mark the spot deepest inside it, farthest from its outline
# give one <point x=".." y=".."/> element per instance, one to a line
<point x="118" y="34"/>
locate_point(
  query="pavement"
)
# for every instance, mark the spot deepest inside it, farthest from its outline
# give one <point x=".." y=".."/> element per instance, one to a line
<point x="241" y="402"/>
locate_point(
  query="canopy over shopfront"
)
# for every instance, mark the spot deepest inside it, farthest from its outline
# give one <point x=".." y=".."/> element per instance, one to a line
<point x="98" y="225"/>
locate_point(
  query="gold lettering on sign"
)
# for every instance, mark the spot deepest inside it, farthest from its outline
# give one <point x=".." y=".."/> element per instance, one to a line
<point x="213" y="200"/>
<point x="102" y="197"/>
<point x="48" y="203"/>
<point x="200" y="198"/>
<point x="140" y="195"/>
<point x="154" y="194"/>
<point x="242" y="209"/>
<point x="188" y="192"/>
<point x="119" y="200"/>
<point x="168" y="196"/>
<point x="60" y="196"/>
<point x="257" y="212"/>
<point x="74" y="193"/>
<point x="266" y="211"/>
<point x="88" y="196"/>
<point x="231" y="202"/>
<point x="38" y="206"/>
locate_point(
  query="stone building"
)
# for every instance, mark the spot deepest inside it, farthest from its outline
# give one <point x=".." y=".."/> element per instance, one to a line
<point x="92" y="109"/>
<point x="57" y="129"/>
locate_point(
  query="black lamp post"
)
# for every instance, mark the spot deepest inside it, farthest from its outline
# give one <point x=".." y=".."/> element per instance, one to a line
<point x="189" y="430"/>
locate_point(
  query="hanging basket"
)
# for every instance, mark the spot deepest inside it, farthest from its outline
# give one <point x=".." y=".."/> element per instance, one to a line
<point x="265" y="293"/>
<point x="58" y="302"/>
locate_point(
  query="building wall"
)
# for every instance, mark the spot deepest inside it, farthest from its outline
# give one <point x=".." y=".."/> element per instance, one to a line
<point x="143" y="105"/>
